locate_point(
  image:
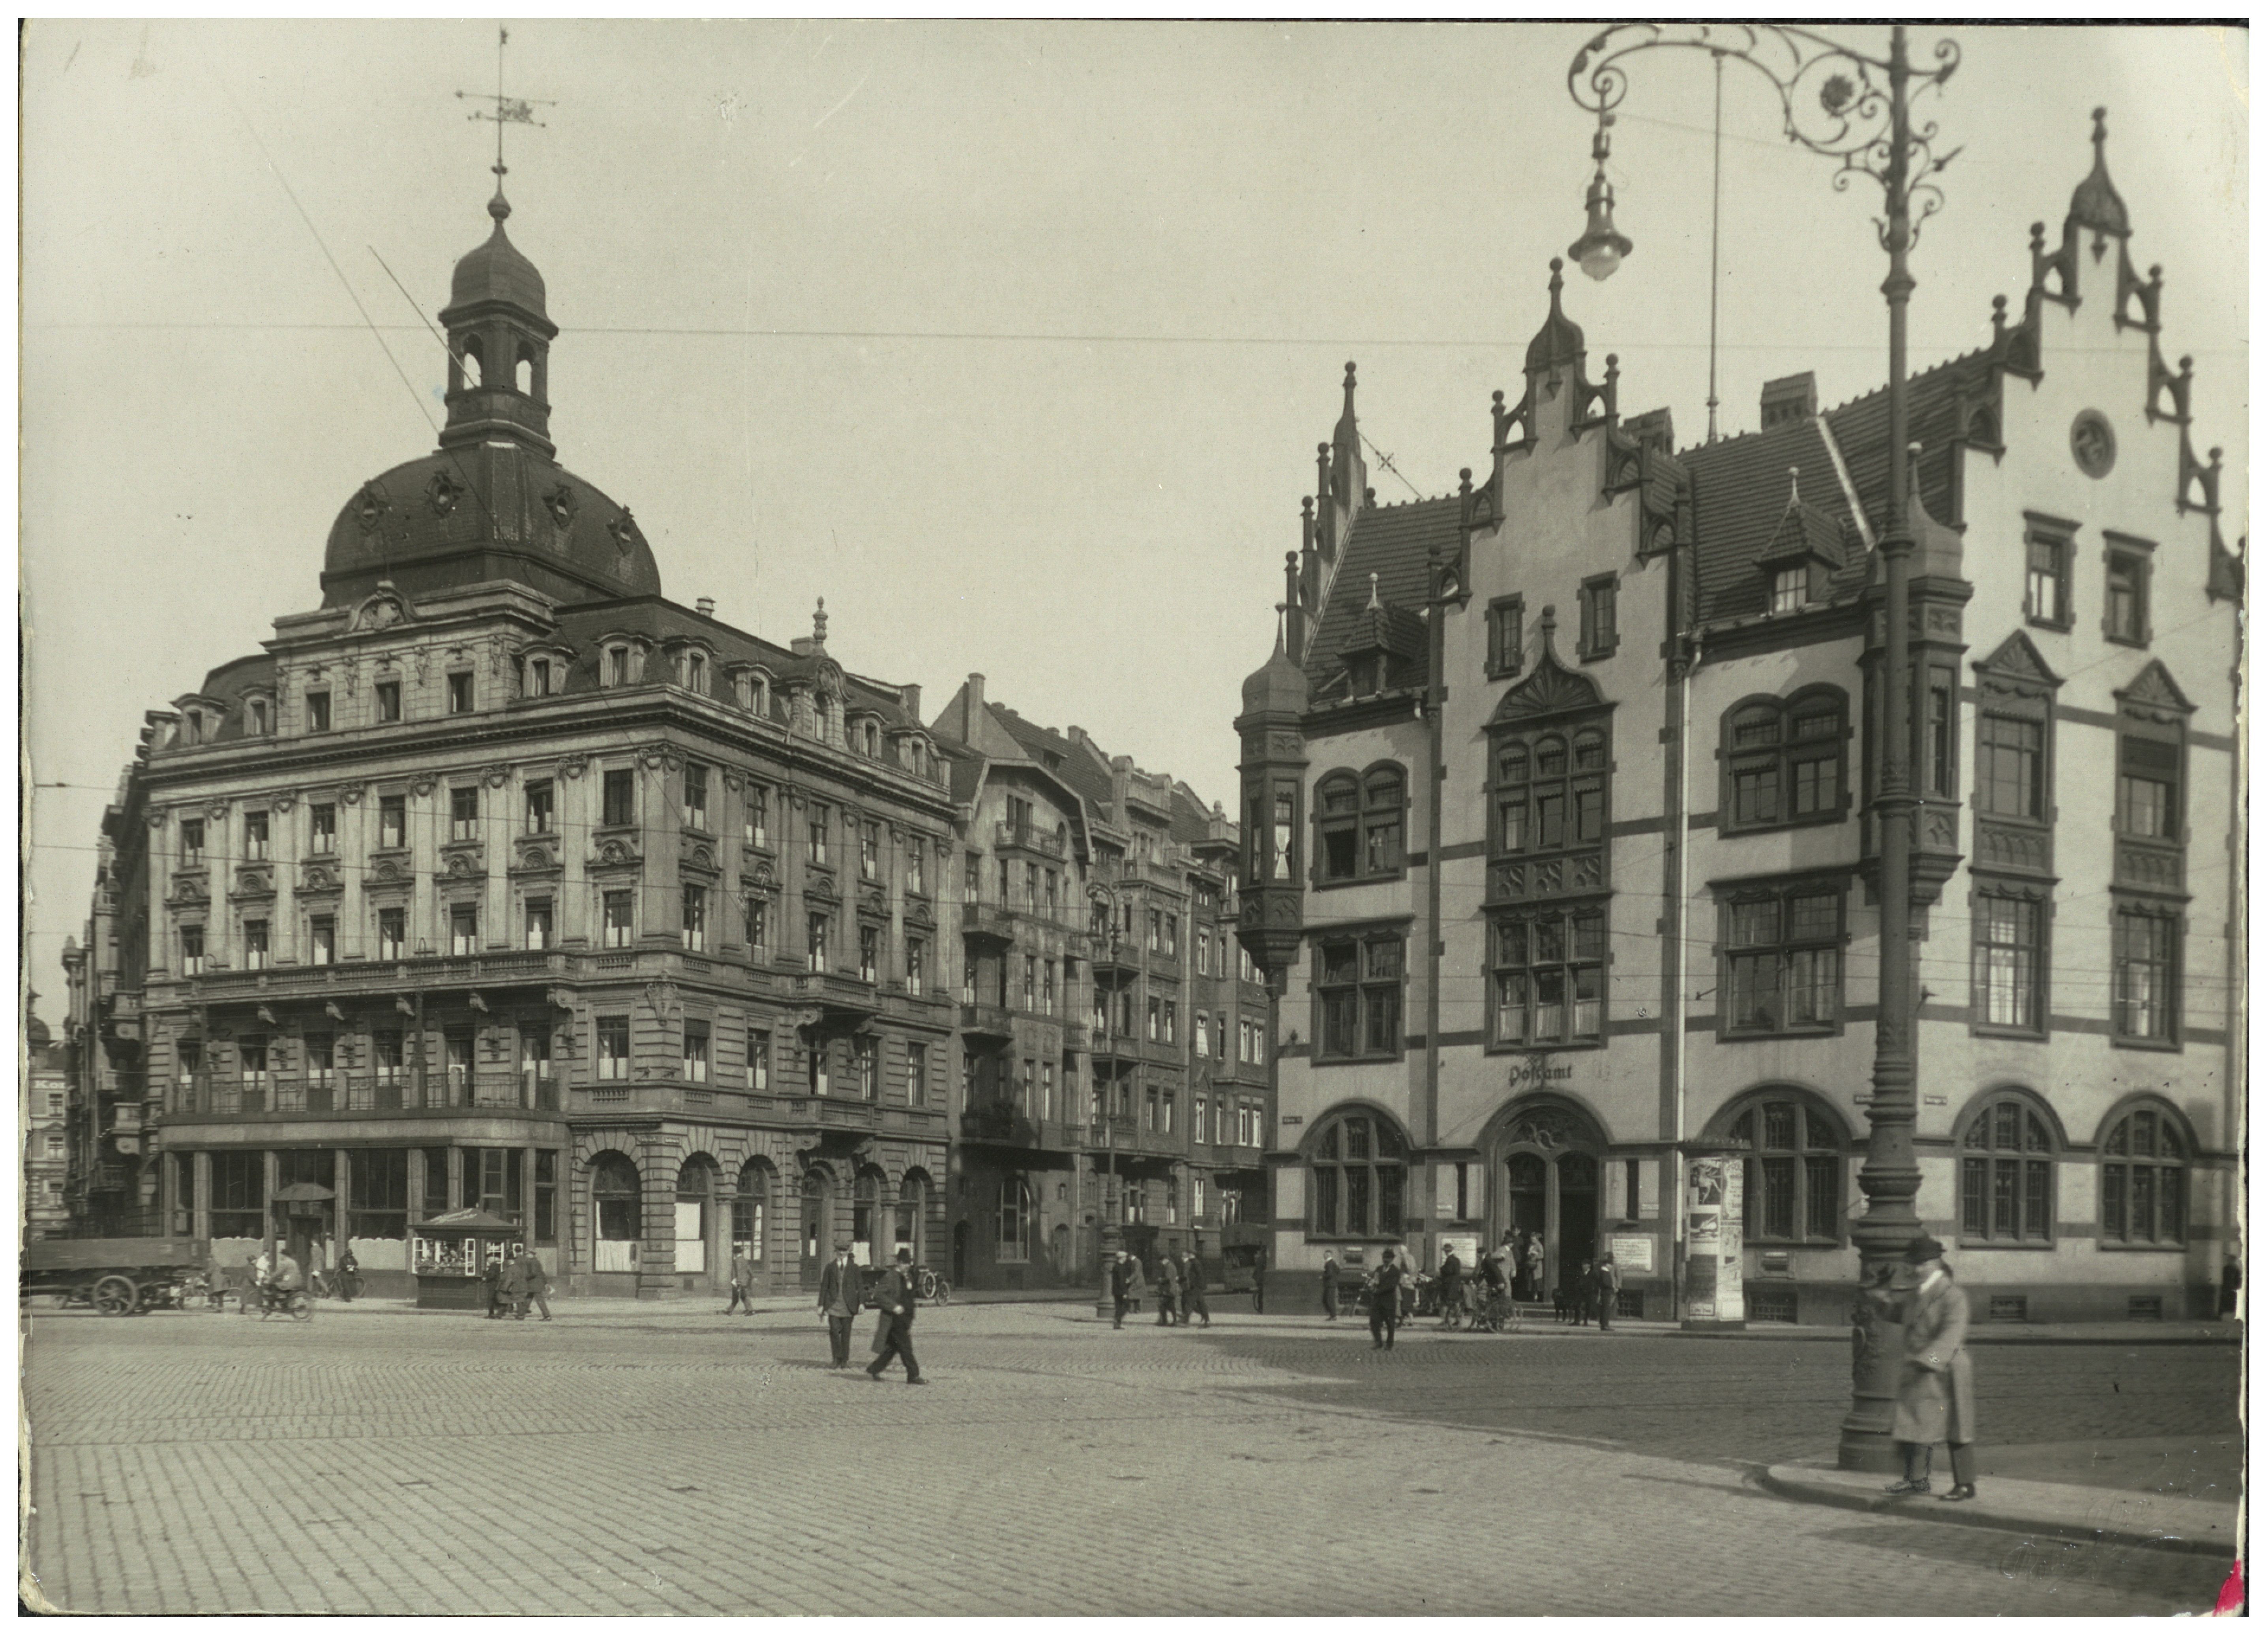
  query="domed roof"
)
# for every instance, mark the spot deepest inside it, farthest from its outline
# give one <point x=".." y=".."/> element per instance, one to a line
<point x="497" y="271"/>
<point x="487" y="510"/>
<point x="2095" y="202"/>
<point x="1278" y="685"/>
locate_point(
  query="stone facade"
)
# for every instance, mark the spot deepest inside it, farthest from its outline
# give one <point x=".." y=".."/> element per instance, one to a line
<point x="1641" y="922"/>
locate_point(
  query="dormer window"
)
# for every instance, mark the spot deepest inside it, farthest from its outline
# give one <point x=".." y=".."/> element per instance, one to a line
<point x="872" y="740"/>
<point x="255" y="713"/>
<point x="538" y="679"/>
<point x="618" y="667"/>
<point x="1791" y="589"/>
<point x="193" y="726"/>
<point x="696" y="671"/>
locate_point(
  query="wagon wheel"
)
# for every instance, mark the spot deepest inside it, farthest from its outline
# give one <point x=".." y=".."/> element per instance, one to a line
<point x="301" y="1306"/>
<point x="115" y="1295"/>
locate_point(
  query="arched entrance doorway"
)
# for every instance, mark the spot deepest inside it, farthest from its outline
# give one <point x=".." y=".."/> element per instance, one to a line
<point x="1548" y="1151"/>
<point x="696" y="1193"/>
<point x="912" y="1214"/>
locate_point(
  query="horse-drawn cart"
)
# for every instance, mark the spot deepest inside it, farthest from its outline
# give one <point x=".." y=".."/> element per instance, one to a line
<point x="116" y="1276"/>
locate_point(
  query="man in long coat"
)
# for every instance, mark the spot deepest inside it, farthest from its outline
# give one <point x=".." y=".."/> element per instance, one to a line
<point x="838" y="1298"/>
<point x="1450" y="1281"/>
<point x="1193" y="1298"/>
<point x="533" y="1281"/>
<point x="894" y="1331"/>
<point x="1169" y="1287"/>
<point x="1385" y="1301"/>
<point x="1121" y="1289"/>
<point x="1937" y="1394"/>
<point x="1330" y="1287"/>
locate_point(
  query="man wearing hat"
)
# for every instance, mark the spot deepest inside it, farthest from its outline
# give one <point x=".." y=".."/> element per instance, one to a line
<point x="1937" y="1399"/>
<point x="838" y="1298"/>
<point x="894" y="1333"/>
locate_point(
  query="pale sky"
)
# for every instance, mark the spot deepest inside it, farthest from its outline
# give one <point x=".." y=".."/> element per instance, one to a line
<point x="1013" y="341"/>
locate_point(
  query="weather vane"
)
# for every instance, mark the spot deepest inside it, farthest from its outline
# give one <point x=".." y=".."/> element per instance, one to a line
<point x="508" y="110"/>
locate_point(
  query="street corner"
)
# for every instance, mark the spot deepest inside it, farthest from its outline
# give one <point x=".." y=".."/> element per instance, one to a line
<point x="2142" y="1521"/>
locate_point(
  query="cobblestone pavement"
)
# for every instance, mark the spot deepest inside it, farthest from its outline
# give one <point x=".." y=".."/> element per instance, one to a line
<point x="668" y="1460"/>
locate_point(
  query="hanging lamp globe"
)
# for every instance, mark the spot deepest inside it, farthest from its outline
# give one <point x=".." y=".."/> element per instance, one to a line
<point x="1601" y="249"/>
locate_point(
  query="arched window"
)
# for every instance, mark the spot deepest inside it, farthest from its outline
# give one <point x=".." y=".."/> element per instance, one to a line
<point x="2007" y="1173"/>
<point x="696" y="1185"/>
<point x="1014" y="1242"/>
<point x="615" y="1213"/>
<point x="1355" y="1176"/>
<point x="1792" y="1158"/>
<point x="470" y="361"/>
<point x="749" y="1198"/>
<point x="2145" y="1180"/>
<point x="523" y="372"/>
<point x="1784" y="762"/>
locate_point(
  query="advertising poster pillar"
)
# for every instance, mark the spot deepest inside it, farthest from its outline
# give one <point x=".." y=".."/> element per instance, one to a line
<point x="1713" y="1297"/>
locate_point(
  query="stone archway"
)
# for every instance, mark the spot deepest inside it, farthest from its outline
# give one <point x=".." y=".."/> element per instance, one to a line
<point x="1546" y="1152"/>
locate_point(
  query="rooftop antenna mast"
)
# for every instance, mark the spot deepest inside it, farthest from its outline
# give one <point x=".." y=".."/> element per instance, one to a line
<point x="508" y="110"/>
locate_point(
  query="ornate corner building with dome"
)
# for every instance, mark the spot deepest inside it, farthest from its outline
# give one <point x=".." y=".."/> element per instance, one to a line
<point x="1639" y="919"/>
<point x="501" y="882"/>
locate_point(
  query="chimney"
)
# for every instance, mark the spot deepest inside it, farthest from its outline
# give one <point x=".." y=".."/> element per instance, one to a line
<point x="909" y="700"/>
<point x="706" y="606"/>
<point x="972" y="706"/>
<point x="1790" y="398"/>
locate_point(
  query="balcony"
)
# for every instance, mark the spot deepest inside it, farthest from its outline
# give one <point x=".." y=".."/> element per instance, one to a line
<point x="352" y="1094"/>
<point x="1029" y="838"/>
<point x="1074" y="1036"/>
<point x="398" y="975"/>
<point x="993" y="921"/>
<point x="1119" y="957"/>
<point x="986" y="1021"/>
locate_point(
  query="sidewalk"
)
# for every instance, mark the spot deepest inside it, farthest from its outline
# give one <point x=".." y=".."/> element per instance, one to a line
<point x="2152" y="1494"/>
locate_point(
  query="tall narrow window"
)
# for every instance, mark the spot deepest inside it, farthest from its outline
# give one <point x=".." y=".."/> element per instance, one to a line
<point x="2011" y="766"/>
<point x="2149" y="784"/>
<point x="1599" y="634"/>
<point x="916" y="1075"/>
<point x="464" y="929"/>
<point x="255" y="837"/>
<point x="1359" y="998"/>
<point x="695" y="917"/>
<point x="618" y="798"/>
<point x="617" y="916"/>
<point x="1505" y="616"/>
<point x="538" y="923"/>
<point x="869" y="954"/>
<point x="393" y="821"/>
<point x="815" y="843"/>
<point x="756" y="820"/>
<point x="1938" y="730"/>
<point x="1381" y="822"/>
<point x="696" y="1060"/>
<point x="2143" y="972"/>
<point x="2006" y="931"/>
<point x="538" y="806"/>
<point x="759" y="1059"/>
<point x="815" y="927"/>
<point x="612" y="1037"/>
<point x="388" y="696"/>
<point x="460" y="691"/>
<point x="756" y="919"/>
<point x="393" y="932"/>
<point x="192" y="842"/>
<point x="322" y="940"/>
<point x="319" y="712"/>
<point x="255" y="945"/>
<point x="870" y="850"/>
<point x="2047" y="572"/>
<point x="916" y="865"/>
<point x="1339" y="822"/>
<point x="464" y="813"/>
<point x="696" y="805"/>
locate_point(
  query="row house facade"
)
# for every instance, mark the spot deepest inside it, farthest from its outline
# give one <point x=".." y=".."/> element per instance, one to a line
<point x="1640" y="921"/>
<point x="502" y="882"/>
<point x="46" y="1128"/>
<point x="1113" y="1070"/>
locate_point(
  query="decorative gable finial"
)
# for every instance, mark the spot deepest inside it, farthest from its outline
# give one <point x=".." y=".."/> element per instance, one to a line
<point x="2095" y="202"/>
<point x="819" y="624"/>
<point x="1794" y="487"/>
<point x="1374" y="603"/>
<point x="1549" y="623"/>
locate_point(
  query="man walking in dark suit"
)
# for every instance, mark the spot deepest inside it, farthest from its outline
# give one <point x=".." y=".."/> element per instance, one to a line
<point x="1385" y="1303"/>
<point x="838" y="1298"/>
<point x="1121" y="1289"/>
<point x="1193" y="1289"/>
<point x="1330" y="1287"/>
<point x="1607" y="1287"/>
<point x="1169" y="1287"/>
<point x="893" y="1335"/>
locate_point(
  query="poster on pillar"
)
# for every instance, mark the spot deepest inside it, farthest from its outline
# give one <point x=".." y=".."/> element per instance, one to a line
<point x="1712" y="1241"/>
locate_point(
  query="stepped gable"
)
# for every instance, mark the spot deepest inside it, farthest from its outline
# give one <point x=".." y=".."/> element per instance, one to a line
<point x="1393" y="543"/>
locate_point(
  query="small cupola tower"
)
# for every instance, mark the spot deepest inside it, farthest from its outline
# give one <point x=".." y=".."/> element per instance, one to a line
<point x="499" y="344"/>
<point x="1274" y="774"/>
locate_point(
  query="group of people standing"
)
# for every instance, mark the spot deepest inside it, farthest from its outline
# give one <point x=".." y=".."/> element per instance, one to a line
<point x="514" y="1284"/>
<point x="1180" y="1283"/>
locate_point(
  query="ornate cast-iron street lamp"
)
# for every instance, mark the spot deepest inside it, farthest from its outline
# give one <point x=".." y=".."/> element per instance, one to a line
<point x="1858" y="110"/>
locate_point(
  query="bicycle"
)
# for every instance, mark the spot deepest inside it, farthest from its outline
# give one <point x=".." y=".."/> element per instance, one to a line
<point x="335" y="1286"/>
